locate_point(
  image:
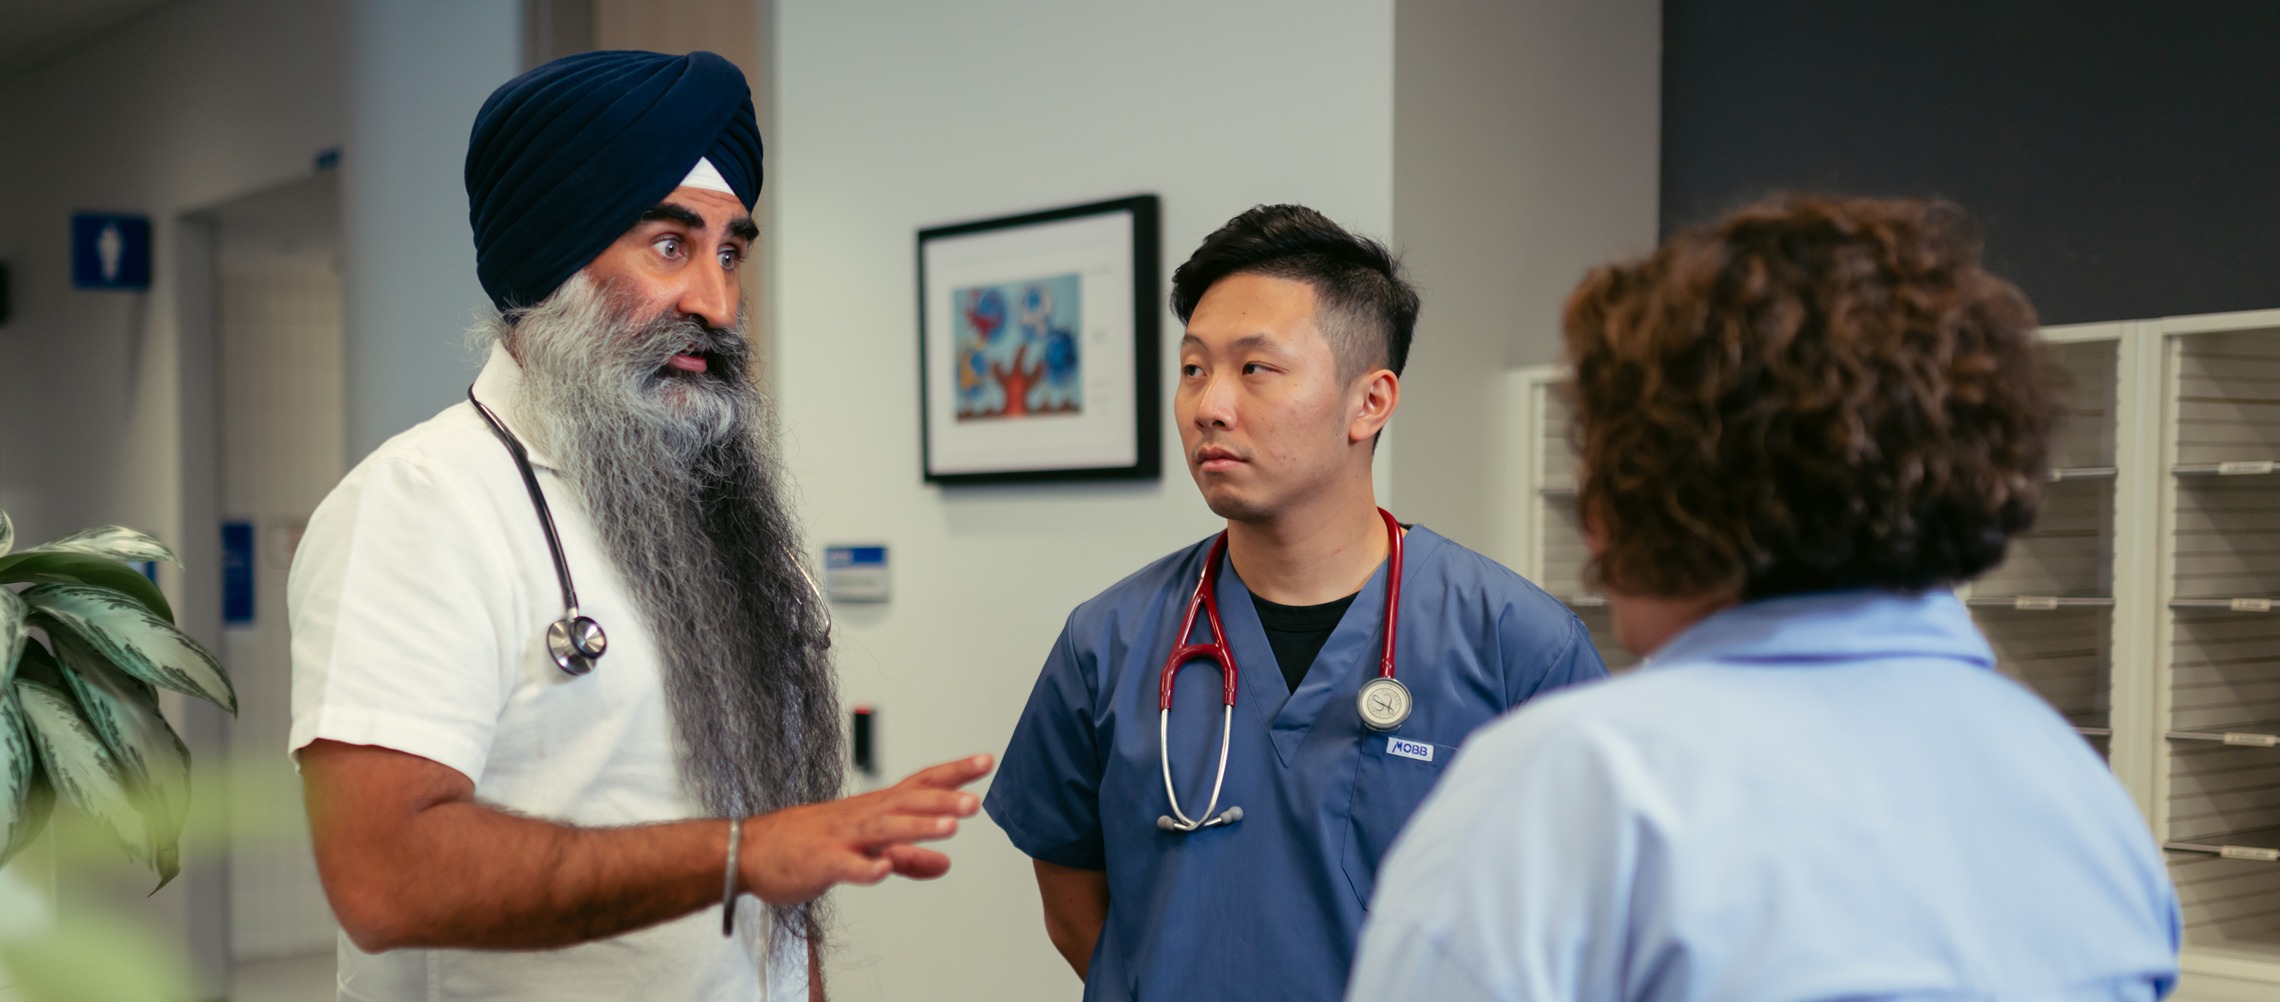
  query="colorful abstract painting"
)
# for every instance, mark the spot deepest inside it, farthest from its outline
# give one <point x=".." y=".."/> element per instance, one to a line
<point x="1016" y="350"/>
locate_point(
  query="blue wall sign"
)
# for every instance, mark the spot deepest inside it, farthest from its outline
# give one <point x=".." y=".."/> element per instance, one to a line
<point x="110" y="251"/>
<point x="237" y="574"/>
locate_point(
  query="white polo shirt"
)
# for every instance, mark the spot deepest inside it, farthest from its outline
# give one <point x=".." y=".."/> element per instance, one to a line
<point x="419" y="601"/>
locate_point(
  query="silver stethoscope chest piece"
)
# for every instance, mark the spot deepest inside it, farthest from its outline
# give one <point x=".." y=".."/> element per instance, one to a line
<point x="576" y="642"/>
<point x="1385" y="704"/>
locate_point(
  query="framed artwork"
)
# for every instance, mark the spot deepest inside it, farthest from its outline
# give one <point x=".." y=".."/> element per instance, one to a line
<point x="1037" y="346"/>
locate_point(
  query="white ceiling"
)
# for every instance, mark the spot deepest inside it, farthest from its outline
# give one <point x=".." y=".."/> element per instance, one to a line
<point x="32" y="30"/>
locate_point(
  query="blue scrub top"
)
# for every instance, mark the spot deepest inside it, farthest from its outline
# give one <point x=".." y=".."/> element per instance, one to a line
<point x="1827" y="796"/>
<point x="1268" y="908"/>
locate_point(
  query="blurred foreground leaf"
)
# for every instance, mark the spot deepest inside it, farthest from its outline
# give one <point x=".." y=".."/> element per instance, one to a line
<point x="93" y="958"/>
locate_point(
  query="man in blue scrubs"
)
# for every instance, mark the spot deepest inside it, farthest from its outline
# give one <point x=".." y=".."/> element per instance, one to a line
<point x="1296" y="335"/>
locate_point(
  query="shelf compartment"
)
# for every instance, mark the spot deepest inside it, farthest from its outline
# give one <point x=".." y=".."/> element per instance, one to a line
<point x="2090" y="371"/>
<point x="2225" y="540"/>
<point x="2070" y="551"/>
<point x="2226" y="387"/>
<point x="2231" y="904"/>
<point x="2061" y="652"/>
<point x="2224" y="674"/>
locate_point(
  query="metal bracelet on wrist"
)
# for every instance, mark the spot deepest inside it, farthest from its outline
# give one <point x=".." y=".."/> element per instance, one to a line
<point x="728" y="879"/>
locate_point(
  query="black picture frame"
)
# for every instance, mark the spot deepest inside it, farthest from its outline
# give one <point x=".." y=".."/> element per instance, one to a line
<point x="956" y="446"/>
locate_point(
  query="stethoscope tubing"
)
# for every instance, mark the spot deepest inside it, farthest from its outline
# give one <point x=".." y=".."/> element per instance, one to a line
<point x="1206" y="602"/>
<point x="537" y="502"/>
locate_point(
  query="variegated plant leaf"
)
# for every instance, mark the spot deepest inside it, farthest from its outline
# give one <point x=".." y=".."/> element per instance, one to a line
<point x="124" y="712"/>
<point x="138" y="643"/>
<point x="25" y="797"/>
<point x="15" y="629"/>
<point x="7" y="534"/>
<point x="63" y="567"/>
<point x="81" y="767"/>
<point x="114" y="541"/>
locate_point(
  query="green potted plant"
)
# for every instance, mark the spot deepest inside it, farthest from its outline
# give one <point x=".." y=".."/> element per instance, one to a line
<point x="88" y="641"/>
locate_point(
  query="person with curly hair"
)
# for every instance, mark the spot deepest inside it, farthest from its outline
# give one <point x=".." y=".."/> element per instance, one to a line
<point x="1799" y="427"/>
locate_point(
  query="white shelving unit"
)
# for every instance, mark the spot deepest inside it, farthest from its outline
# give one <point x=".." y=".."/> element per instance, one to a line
<point x="2217" y="768"/>
<point x="2144" y="605"/>
<point x="2049" y="611"/>
<point x="1549" y="542"/>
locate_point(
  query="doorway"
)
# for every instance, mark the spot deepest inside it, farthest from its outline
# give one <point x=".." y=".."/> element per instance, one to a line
<point x="279" y="447"/>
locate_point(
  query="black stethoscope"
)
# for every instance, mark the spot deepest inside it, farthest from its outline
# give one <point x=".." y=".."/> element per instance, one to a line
<point x="575" y="640"/>
<point x="1384" y="702"/>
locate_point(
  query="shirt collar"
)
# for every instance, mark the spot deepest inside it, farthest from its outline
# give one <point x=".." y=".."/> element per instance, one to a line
<point x="1837" y="626"/>
<point x="499" y="387"/>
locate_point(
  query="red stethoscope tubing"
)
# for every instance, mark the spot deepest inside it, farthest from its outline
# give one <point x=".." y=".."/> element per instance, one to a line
<point x="1206" y="601"/>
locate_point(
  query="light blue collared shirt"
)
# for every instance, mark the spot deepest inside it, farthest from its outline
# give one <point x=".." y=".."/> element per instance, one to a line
<point x="1826" y="796"/>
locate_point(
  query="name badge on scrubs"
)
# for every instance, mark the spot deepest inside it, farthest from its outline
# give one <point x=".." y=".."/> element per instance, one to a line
<point x="1406" y="748"/>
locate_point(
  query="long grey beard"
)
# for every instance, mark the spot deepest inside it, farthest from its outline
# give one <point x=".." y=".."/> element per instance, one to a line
<point x="679" y="475"/>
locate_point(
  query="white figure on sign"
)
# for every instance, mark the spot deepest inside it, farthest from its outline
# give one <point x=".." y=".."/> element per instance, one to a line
<point x="108" y="246"/>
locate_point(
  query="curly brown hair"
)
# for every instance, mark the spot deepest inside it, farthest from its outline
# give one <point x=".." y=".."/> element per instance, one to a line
<point x="1810" y="393"/>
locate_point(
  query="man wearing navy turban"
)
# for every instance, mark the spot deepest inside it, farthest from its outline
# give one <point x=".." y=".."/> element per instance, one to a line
<point x="469" y="795"/>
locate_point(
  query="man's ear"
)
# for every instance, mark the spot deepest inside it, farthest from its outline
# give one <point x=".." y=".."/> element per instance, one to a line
<point x="1376" y="396"/>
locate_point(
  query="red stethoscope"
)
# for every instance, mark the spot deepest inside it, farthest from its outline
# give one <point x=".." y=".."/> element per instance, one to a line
<point x="1384" y="701"/>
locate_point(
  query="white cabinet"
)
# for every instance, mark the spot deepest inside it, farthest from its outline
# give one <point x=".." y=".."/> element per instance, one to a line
<point x="2144" y="605"/>
<point x="1546" y="544"/>
<point x="2216" y="771"/>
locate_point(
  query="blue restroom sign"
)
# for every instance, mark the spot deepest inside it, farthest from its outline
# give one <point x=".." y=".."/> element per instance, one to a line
<point x="110" y="251"/>
<point x="237" y="574"/>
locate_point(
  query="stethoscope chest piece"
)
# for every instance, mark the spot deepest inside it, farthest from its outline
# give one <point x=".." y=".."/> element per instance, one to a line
<point x="1384" y="703"/>
<point x="576" y="642"/>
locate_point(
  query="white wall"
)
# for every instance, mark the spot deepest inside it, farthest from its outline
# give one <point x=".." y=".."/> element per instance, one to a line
<point x="417" y="72"/>
<point x="1527" y="137"/>
<point x="942" y="112"/>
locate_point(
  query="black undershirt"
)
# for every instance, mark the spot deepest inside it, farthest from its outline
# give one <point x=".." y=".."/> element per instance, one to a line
<point x="1297" y="632"/>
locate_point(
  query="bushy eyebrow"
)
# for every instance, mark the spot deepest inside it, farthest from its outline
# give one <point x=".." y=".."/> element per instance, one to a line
<point x="674" y="212"/>
<point x="742" y="227"/>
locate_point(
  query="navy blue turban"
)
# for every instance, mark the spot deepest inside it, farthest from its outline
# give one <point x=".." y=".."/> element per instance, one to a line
<point x="565" y="158"/>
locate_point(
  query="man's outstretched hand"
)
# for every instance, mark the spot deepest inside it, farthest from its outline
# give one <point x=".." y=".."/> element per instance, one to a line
<point x="796" y="854"/>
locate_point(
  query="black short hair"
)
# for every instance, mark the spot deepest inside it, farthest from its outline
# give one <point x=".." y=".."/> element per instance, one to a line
<point x="1368" y="309"/>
